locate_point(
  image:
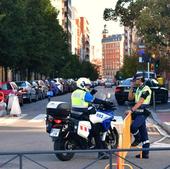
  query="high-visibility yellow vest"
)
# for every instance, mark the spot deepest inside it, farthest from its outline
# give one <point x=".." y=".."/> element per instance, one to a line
<point x="77" y="99"/>
<point x="139" y="93"/>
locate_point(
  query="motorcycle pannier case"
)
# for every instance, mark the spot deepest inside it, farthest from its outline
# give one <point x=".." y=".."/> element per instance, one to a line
<point x="58" y="109"/>
<point x="84" y="129"/>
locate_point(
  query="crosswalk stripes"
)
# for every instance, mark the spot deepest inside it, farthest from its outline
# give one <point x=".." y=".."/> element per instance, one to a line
<point x="9" y="120"/>
<point x="152" y="130"/>
<point x="38" y="118"/>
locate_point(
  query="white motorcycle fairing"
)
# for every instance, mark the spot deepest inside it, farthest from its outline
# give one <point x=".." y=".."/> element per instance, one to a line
<point x="98" y="117"/>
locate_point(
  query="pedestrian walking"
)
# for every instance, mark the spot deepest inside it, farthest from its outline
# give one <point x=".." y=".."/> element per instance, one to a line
<point x="139" y="112"/>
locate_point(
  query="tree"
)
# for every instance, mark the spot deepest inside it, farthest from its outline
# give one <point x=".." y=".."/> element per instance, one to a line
<point x="11" y="28"/>
<point x="151" y="18"/>
<point x="31" y="38"/>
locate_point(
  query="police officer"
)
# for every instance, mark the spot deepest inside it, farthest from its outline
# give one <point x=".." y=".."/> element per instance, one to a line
<point x="81" y="99"/>
<point x="139" y="113"/>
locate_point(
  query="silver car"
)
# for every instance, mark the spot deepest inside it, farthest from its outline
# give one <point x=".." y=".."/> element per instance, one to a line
<point x="27" y="90"/>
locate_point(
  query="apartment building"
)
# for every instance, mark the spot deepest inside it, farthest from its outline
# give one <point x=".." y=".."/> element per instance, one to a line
<point x="65" y="16"/>
<point x="83" y="39"/>
<point x="112" y="54"/>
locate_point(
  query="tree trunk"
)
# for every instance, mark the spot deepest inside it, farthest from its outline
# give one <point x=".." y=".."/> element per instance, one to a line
<point x="6" y="73"/>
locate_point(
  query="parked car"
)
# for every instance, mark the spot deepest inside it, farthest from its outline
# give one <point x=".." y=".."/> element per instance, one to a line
<point x="37" y="89"/>
<point x="161" y="93"/>
<point x="72" y="85"/>
<point x="11" y="88"/>
<point x="43" y="87"/>
<point x="108" y="84"/>
<point x="122" y="90"/>
<point x="28" y="91"/>
<point x="58" y="82"/>
<point x="52" y="86"/>
<point x="147" y="75"/>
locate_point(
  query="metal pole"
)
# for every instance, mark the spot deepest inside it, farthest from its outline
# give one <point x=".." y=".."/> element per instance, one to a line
<point x="110" y="159"/>
<point x="20" y="161"/>
<point x="148" y="69"/>
<point x="154" y="104"/>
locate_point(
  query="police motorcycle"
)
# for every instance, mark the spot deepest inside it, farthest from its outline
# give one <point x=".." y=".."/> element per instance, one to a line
<point x="70" y="133"/>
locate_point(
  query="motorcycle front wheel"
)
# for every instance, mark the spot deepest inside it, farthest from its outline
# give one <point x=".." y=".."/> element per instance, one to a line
<point x="63" y="144"/>
<point x="112" y="139"/>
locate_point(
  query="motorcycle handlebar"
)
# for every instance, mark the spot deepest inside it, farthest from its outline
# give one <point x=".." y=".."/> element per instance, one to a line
<point x="104" y="106"/>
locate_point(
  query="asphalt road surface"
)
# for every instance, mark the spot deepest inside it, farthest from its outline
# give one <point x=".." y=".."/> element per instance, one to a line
<point x="26" y="133"/>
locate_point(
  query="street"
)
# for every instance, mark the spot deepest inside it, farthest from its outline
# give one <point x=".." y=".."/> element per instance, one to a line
<point x="27" y="133"/>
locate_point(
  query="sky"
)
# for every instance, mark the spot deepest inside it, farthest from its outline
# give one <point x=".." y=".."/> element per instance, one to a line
<point x="93" y="11"/>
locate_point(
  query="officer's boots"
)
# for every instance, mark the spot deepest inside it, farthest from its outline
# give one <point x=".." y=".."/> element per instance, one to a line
<point x="145" y="153"/>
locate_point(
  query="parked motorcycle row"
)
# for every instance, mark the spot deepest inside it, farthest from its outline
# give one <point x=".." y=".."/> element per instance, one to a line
<point x="29" y="91"/>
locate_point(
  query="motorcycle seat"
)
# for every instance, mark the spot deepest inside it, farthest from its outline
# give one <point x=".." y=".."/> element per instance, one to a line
<point x="76" y="114"/>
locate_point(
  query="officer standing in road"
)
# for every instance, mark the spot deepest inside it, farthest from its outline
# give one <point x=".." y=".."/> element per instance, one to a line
<point x="81" y="99"/>
<point x="139" y="113"/>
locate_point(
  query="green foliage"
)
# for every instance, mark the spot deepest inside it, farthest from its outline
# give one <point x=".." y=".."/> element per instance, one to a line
<point x="151" y="18"/>
<point x="131" y="66"/>
<point x="89" y="70"/>
<point x="32" y="41"/>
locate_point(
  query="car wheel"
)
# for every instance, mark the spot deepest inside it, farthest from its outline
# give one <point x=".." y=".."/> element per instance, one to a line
<point x="35" y="98"/>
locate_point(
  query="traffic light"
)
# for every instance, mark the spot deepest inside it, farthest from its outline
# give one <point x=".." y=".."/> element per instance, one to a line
<point x="157" y="63"/>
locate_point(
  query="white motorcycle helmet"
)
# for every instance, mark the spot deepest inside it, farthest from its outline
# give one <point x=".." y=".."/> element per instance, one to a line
<point x="84" y="83"/>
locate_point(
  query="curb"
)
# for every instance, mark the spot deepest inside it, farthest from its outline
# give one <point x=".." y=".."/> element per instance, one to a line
<point x="161" y="124"/>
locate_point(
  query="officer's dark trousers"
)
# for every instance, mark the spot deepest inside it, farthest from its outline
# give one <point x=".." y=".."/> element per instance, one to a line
<point x="139" y="131"/>
<point x="97" y="128"/>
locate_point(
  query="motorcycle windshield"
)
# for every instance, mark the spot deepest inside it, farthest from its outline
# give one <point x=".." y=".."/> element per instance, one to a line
<point x="104" y="95"/>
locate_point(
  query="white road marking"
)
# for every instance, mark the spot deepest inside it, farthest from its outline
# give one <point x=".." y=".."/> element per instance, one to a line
<point x="168" y="123"/>
<point x="10" y="120"/>
<point x="38" y="118"/>
<point x="159" y="145"/>
<point x="160" y="142"/>
<point x="163" y="110"/>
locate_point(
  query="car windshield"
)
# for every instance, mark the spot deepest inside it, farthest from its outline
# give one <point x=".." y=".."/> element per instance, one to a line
<point x="21" y="84"/>
<point x="6" y="86"/>
<point x="151" y="74"/>
<point x="126" y="82"/>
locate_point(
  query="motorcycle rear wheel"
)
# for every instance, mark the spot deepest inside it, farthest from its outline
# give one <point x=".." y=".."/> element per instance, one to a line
<point x="63" y="144"/>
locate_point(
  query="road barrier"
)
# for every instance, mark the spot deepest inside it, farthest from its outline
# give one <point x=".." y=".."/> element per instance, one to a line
<point x="13" y="108"/>
<point x="124" y="143"/>
<point x="26" y="155"/>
